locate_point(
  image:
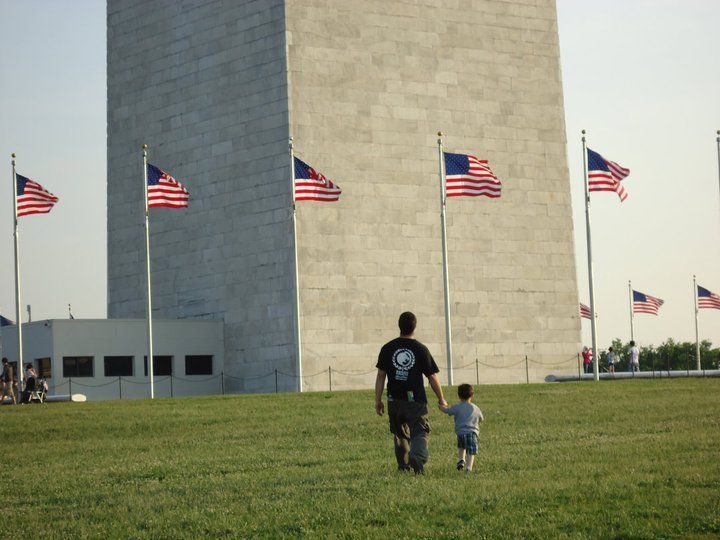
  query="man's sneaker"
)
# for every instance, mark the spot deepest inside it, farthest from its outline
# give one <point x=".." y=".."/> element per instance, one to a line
<point x="460" y="465"/>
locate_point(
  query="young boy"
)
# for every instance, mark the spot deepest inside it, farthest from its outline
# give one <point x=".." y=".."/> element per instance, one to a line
<point x="467" y="417"/>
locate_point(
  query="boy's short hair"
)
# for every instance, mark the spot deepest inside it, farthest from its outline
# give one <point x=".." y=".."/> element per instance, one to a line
<point x="407" y="323"/>
<point x="465" y="391"/>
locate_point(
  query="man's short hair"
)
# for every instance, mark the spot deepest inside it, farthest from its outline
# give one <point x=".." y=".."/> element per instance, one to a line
<point x="465" y="391"/>
<point x="4" y="360"/>
<point x="632" y="343"/>
<point x="407" y="323"/>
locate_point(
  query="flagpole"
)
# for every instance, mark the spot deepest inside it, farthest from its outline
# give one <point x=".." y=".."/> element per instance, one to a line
<point x="593" y="324"/>
<point x="149" y="280"/>
<point x="446" y="276"/>
<point x="717" y="140"/>
<point x="630" y="299"/>
<point x="298" y="351"/>
<point x="18" y="296"/>
<point x="697" y="333"/>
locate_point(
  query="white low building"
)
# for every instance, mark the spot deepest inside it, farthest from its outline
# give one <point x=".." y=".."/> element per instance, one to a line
<point x="107" y="358"/>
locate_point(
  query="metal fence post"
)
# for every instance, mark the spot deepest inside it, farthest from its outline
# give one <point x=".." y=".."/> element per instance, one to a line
<point x="276" y="382"/>
<point x="171" y="385"/>
<point x="477" y="371"/>
<point x="120" y="386"/>
<point x="578" y="358"/>
<point x="222" y="382"/>
<point x="527" y="372"/>
<point x="330" y="378"/>
<point x="70" y="386"/>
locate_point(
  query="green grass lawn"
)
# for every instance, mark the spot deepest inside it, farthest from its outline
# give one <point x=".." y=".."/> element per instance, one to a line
<point x="626" y="459"/>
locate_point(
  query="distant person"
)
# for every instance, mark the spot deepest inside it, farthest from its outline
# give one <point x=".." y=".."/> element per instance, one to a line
<point x="467" y="419"/>
<point x="8" y="381"/>
<point x="587" y="360"/>
<point x="30" y="375"/>
<point x="611" y="360"/>
<point x="30" y="382"/>
<point x="634" y="357"/>
<point x="404" y="361"/>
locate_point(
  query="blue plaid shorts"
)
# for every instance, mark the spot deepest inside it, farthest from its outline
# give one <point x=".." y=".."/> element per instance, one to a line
<point x="468" y="441"/>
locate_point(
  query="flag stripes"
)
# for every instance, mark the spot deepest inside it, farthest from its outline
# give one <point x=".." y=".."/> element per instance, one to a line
<point x="32" y="198"/>
<point x="605" y="175"/>
<point x="585" y="312"/>
<point x="164" y="190"/>
<point x="707" y="299"/>
<point x="311" y="185"/>
<point x="644" y="303"/>
<point x="468" y="176"/>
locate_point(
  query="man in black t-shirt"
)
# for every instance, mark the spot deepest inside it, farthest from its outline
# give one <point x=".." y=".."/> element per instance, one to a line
<point x="404" y="361"/>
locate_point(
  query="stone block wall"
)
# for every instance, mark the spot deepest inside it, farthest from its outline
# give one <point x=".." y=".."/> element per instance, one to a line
<point x="370" y="85"/>
<point x="204" y="84"/>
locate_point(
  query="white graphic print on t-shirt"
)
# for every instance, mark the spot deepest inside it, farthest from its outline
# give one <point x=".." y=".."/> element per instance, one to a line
<point x="403" y="360"/>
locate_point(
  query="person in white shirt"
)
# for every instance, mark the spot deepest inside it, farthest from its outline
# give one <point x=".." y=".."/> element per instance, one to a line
<point x="634" y="357"/>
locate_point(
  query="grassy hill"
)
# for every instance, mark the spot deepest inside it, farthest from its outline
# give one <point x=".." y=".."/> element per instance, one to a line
<point x="614" y="459"/>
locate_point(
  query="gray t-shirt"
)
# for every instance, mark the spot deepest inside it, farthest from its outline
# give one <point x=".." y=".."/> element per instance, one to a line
<point x="467" y="417"/>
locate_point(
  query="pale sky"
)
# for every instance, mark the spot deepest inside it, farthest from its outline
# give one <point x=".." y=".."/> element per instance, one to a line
<point x="641" y="76"/>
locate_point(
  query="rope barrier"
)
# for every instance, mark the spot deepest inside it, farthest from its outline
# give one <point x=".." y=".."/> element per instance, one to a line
<point x="502" y="367"/>
<point x="95" y="385"/>
<point x="249" y="378"/>
<point x="168" y="377"/>
<point x="323" y="372"/>
<point x="196" y="380"/>
<point x="464" y="366"/>
<point x="350" y="373"/>
<point x="571" y="359"/>
<point x="329" y="371"/>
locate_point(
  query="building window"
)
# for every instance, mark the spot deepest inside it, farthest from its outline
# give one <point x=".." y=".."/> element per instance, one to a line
<point x="44" y="368"/>
<point x="198" y="364"/>
<point x="118" y="366"/>
<point x="77" y="366"/>
<point x="162" y="365"/>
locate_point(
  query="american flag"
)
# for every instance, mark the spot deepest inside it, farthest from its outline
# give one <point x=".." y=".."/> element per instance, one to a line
<point x="585" y="311"/>
<point x="604" y="175"/>
<point x="468" y="176"/>
<point x="707" y="299"/>
<point x="644" y="303"/>
<point x="32" y="198"/>
<point x="310" y="185"/>
<point x="164" y="190"/>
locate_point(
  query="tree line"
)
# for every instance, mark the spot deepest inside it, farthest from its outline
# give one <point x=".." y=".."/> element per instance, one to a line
<point x="671" y="355"/>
